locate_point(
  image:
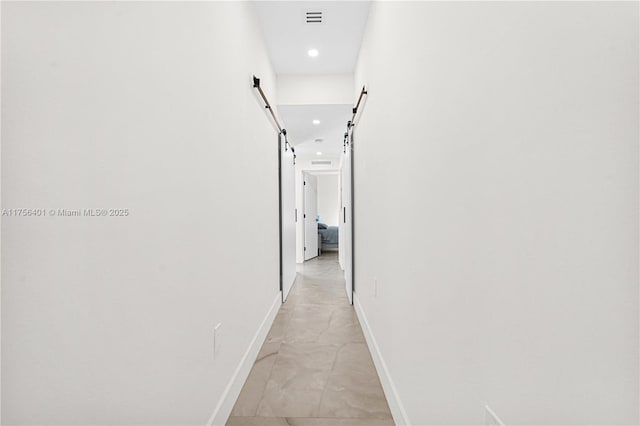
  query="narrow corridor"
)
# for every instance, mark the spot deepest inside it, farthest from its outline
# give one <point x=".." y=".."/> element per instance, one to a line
<point x="314" y="368"/>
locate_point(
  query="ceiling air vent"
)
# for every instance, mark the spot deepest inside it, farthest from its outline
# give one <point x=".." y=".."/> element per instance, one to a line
<point x="321" y="162"/>
<point x="314" y="17"/>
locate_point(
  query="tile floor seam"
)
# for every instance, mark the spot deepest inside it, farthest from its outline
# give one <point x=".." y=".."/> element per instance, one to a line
<point x="328" y="324"/>
<point x="264" y="388"/>
<point x="277" y="354"/>
<point x="333" y="366"/>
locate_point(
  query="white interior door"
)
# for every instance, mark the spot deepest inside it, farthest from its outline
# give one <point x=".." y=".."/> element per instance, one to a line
<point x="287" y="219"/>
<point x="310" y="216"/>
<point x="347" y="219"/>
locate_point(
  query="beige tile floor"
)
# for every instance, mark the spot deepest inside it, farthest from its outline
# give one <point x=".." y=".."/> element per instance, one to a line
<point x="314" y="368"/>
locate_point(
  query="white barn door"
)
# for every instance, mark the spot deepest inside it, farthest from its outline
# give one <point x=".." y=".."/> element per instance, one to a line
<point x="287" y="219"/>
<point x="347" y="216"/>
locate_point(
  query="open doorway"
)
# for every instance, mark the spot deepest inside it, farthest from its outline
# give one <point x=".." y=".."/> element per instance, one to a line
<point x="321" y="203"/>
<point x="322" y="210"/>
<point x="328" y="212"/>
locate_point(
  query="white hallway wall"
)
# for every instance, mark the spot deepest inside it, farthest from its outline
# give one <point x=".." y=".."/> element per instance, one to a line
<point x="145" y="106"/>
<point x="509" y="276"/>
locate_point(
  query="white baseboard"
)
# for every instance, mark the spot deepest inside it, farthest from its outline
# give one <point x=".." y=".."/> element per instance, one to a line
<point x="232" y="391"/>
<point x="491" y="418"/>
<point x="393" y="399"/>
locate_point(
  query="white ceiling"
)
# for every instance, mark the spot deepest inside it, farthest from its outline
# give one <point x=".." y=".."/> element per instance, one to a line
<point x="301" y="132"/>
<point x="288" y="37"/>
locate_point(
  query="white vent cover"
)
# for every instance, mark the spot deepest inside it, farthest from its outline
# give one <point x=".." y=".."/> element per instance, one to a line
<point x="321" y="162"/>
<point x="314" y="17"/>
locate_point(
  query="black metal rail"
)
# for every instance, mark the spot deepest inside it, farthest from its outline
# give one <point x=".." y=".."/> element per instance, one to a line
<point x="351" y="122"/>
<point x="355" y="108"/>
<point x="267" y="105"/>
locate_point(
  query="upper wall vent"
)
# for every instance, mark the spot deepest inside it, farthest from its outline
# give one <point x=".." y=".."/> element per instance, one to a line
<point x="314" y="17"/>
<point x="321" y="163"/>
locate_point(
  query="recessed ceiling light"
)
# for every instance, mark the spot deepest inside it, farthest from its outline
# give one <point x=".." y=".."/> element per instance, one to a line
<point x="313" y="52"/>
<point x="318" y="153"/>
<point x="316" y="121"/>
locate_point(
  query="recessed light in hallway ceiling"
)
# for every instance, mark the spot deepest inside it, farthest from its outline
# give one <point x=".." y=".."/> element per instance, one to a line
<point x="307" y="138"/>
<point x="316" y="121"/>
<point x="313" y="53"/>
<point x="287" y="29"/>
